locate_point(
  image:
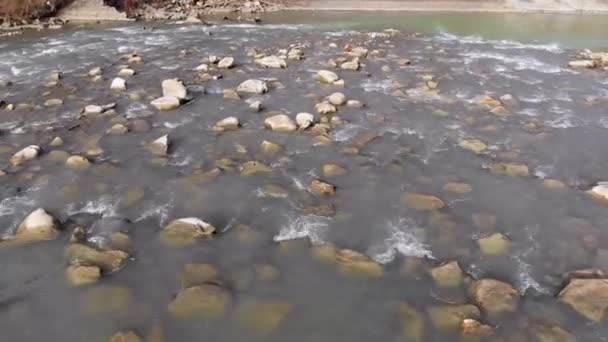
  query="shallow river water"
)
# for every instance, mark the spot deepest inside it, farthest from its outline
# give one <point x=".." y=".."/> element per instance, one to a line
<point x="270" y="257"/>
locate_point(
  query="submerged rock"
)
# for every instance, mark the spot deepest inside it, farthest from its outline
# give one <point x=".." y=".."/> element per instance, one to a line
<point x="474" y="145"/>
<point x="252" y="167"/>
<point x="321" y="188"/>
<point x="264" y="317"/>
<point x="450" y="317"/>
<point x="174" y="88"/>
<point x="447" y="275"/>
<point x="494" y="245"/>
<point x="419" y="201"/>
<point x="107" y="260"/>
<point x="196" y="274"/>
<point x="494" y="297"/>
<point x="589" y="297"/>
<point x="269" y="148"/>
<point x="25" y="154"/>
<point x="125" y="336"/>
<point x="37" y="226"/>
<point x="106" y="299"/>
<point x="166" y="103"/>
<point x="550" y="333"/>
<point x="185" y="231"/>
<point x="208" y="301"/>
<point x="271" y="62"/>
<point x="253" y="86"/>
<point x="280" y="123"/>
<point x="412" y="323"/>
<point x="348" y="262"/>
<point x="460" y="188"/>
<point x="79" y="275"/>
<point x="159" y="147"/>
<point x="510" y="169"/>
<point x="77" y="163"/>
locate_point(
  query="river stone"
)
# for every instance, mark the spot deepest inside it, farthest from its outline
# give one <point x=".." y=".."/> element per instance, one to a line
<point x="489" y="101"/>
<point x="269" y="148"/>
<point x="226" y="63"/>
<point x="456" y="187"/>
<point x="321" y="188"/>
<point x="447" y="275"/>
<point x="326" y="76"/>
<point x="231" y="94"/>
<point x="599" y="192"/>
<point x="510" y="169"/>
<point x="97" y="71"/>
<point x="159" y="147"/>
<point x="79" y="275"/>
<point x="484" y="221"/>
<point x="553" y="184"/>
<point x="473" y="330"/>
<point x="348" y="262"/>
<point x="264" y="317"/>
<point x="255" y="106"/>
<point x="351" y="65"/>
<point x="420" y="201"/>
<point x="337" y="99"/>
<point x="474" y="145"/>
<point x="77" y="163"/>
<point x="449" y="317"/>
<point x="118" y="129"/>
<point x="253" y="86"/>
<point x="25" y="154"/>
<point x="126" y="72"/>
<point x="37" y="226"/>
<point x="174" y="88"/>
<point x="280" y="123"/>
<point x="589" y="64"/>
<point x="333" y="170"/>
<point x="412" y="323"/>
<point x="57" y="141"/>
<point x="304" y="120"/>
<point x="196" y="274"/>
<point x="229" y="123"/>
<point x="166" y="103"/>
<point x="354" y="104"/>
<point x="125" y="336"/>
<point x="118" y="84"/>
<point x="109" y="260"/>
<point x="53" y="102"/>
<point x="206" y="301"/>
<point x="185" y="231"/>
<point x="325" y="108"/>
<point x="494" y="245"/>
<point x="494" y="297"/>
<point x="271" y="62"/>
<point x="589" y="297"/>
<point x="106" y="299"/>
<point x="253" y="167"/>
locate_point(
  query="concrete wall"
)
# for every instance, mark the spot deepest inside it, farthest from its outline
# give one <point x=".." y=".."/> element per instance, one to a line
<point x="567" y="6"/>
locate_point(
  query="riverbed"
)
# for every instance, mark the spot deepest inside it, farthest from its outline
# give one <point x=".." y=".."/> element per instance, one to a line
<point x="466" y="147"/>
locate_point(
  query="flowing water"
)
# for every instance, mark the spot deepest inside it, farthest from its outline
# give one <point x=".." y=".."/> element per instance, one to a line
<point x="263" y="249"/>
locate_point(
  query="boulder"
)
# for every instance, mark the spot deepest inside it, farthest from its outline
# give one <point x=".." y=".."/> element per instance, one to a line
<point x="494" y="245"/>
<point x="166" y="103"/>
<point x="229" y="123"/>
<point x="321" y="188"/>
<point x="185" y="231"/>
<point x="420" y="201"/>
<point x="494" y="297"/>
<point x="447" y="275"/>
<point x="253" y="86"/>
<point x="326" y="76"/>
<point x="159" y="147"/>
<point x="37" y="226"/>
<point x="79" y="275"/>
<point x="271" y="62"/>
<point x="226" y="63"/>
<point x="25" y="154"/>
<point x="589" y="297"/>
<point x="207" y="301"/>
<point x="108" y="260"/>
<point x="457" y="187"/>
<point x="118" y="84"/>
<point x="77" y="163"/>
<point x="280" y="123"/>
<point x="174" y="88"/>
<point x="304" y="120"/>
<point x="337" y="99"/>
<point x="264" y="317"/>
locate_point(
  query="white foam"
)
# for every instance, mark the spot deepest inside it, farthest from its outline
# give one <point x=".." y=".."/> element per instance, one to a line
<point x="518" y="62"/>
<point x="309" y="226"/>
<point x="105" y="206"/>
<point x="402" y="240"/>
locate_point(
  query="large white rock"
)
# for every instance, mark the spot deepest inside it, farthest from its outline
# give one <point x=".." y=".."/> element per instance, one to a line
<point x="166" y="103"/>
<point x="174" y="88"/>
<point x="280" y="123"/>
<point x="271" y="62"/>
<point x="38" y="226"/>
<point x="326" y="76"/>
<point x="228" y="123"/>
<point x="304" y="120"/>
<point x="226" y="63"/>
<point x="119" y="84"/>
<point x="253" y="86"/>
<point x="160" y="146"/>
<point x="25" y="154"/>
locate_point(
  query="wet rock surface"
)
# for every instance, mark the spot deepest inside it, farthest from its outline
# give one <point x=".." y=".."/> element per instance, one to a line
<point x="249" y="182"/>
